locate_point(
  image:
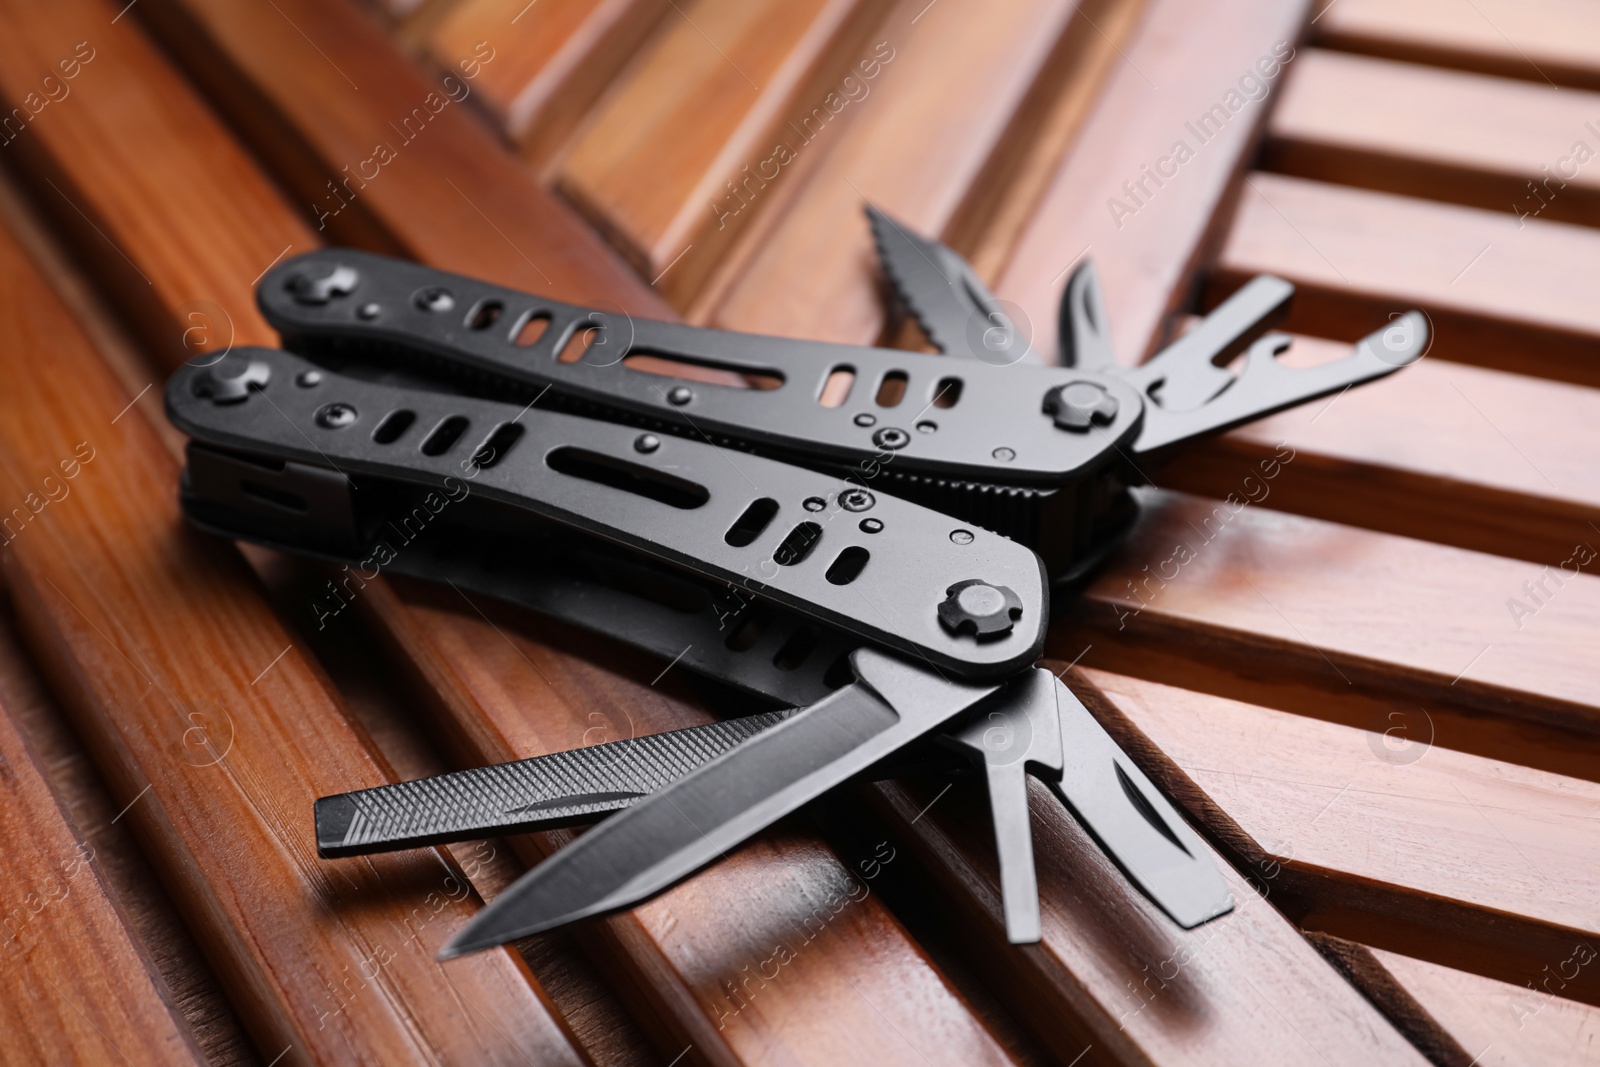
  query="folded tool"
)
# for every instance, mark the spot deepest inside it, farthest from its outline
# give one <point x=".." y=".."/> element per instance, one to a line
<point x="863" y="539"/>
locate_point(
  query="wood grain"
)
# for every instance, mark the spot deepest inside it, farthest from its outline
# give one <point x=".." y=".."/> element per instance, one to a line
<point x="148" y="911"/>
<point x="1498" y="1024"/>
<point x="1183" y="59"/>
<point x="1261" y="592"/>
<point x="703" y="111"/>
<point x="1361" y="967"/>
<point x="1499" y="291"/>
<point x="1486" y="142"/>
<point x="76" y="983"/>
<point x="1545" y="41"/>
<point x="1114" y="975"/>
<point x="115" y="597"/>
<point x="103" y="124"/>
<point x="316" y="89"/>
<point x="510" y="685"/>
<point x="914" y="147"/>
<point x="553" y="59"/>
<point x="1384" y="837"/>
<point x="676" y="983"/>
<point x="1467" y="456"/>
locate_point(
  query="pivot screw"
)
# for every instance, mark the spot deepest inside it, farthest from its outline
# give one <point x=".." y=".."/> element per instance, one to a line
<point x="1077" y="405"/>
<point x="856" y="500"/>
<point x="978" y="608"/>
<point x="646" y="443"/>
<point x="891" y="437"/>
<point x="341" y="281"/>
<point x="335" y="416"/>
<point x="679" y="395"/>
<point x="231" y="380"/>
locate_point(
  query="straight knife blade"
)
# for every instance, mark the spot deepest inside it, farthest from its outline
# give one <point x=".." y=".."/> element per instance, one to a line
<point x="655" y="843"/>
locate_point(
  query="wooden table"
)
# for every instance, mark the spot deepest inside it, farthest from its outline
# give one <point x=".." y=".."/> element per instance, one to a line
<point x="1368" y="684"/>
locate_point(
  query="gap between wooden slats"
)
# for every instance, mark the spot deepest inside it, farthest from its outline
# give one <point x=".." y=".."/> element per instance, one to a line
<point x="1527" y="149"/>
<point x="1382" y="837"/>
<point x="1545" y="41"/>
<point x="887" y="943"/>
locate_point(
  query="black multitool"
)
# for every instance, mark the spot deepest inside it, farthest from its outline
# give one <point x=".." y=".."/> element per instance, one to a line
<point x="860" y="541"/>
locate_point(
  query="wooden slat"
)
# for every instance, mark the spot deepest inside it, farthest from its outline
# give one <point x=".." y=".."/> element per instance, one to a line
<point x="107" y="125"/>
<point x="697" y="947"/>
<point x="1387" y="839"/>
<point x="1072" y="989"/>
<point x="675" y="968"/>
<point x="1113" y="978"/>
<point x="1498" y="1024"/>
<point x="1184" y="59"/>
<point x="1476" y="458"/>
<point x="76" y="984"/>
<point x="1361" y="968"/>
<point x="1547" y="41"/>
<point x="320" y="90"/>
<point x="915" y="147"/>
<point x="1266" y="592"/>
<point x="141" y="624"/>
<point x="552" y="59"/>
<point x="1487" y="142"/>
<point x="147" y="909"/>
<point x="1499" y="291"/>
<point x="701" y="113"/>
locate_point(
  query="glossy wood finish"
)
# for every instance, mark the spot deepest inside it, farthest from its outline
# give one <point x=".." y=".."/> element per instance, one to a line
<point x="1499" y="1023"/>
<point x="687" y="963"/>
<point x="553" y="58"/>
<point x="914" y="148"/>
<point x="76" y="984"/>
<point x="1465" y="138"/>
<point x="1500" y="291"/>
<point x="1384" y="837"/>
<point x="1477" y="458"/>
<point x="708" y="126"/>
<point x="116" y="633"/>
<point x="1545" y="41"/>
<point x="1257" y="678"/>
<point x="1257" y="588"/>
<point x="1148" y="235"/>
<point x="321" y="124"/>
<point x="1113" y="976"/>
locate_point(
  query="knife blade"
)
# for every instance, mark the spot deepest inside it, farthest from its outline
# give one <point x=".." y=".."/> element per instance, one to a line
<point x="953" y="307"/>
<point x="655" y="843"/>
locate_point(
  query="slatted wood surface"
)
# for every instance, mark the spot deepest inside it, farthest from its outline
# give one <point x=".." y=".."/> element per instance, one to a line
<point x="1353" y="641"/>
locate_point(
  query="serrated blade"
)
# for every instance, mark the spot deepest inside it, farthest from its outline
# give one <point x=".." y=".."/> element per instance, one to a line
<point x="541" y="793"/>
<point x="648" y="847"/>
<point x="1133" y="823"/>
<point x="956" y="310"/>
